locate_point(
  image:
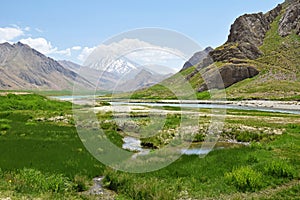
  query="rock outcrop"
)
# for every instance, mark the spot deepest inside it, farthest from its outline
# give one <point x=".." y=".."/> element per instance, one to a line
<point x="246" y="35"/>
<point x="290" y="20"/>
<point x="197" y="58"/>
<point x="227" y="76"/>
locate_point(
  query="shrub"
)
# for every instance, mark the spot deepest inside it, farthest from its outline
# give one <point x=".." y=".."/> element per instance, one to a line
<point x="199" y="138"/>
<point x="4" y="127"/>
<point x="280" y="169"/>
<point x="31" y="180"/>
<point x="245" y="179"/>
<point x="81" y="183"/>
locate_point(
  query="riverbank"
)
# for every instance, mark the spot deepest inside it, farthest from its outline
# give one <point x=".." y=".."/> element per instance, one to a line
<point x="262" y="105"/>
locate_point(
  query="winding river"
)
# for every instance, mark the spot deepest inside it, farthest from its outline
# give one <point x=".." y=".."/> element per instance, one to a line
<point x="134" y="144"/>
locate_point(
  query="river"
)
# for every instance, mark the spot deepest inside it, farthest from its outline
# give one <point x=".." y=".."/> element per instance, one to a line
<point x="134" y="144"/>
<point x="289" y="107"/>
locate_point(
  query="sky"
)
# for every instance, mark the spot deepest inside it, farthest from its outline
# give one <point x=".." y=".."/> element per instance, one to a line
<point x="70" y="30"/>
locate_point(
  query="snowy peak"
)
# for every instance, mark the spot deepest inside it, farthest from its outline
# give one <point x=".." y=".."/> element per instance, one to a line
<point x="121" y="67"/>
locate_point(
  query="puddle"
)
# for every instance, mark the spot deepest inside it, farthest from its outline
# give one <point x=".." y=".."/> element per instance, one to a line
<point x="134" y="144"/>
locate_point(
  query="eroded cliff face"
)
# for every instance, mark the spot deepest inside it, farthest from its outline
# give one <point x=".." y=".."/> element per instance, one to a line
<point x="290" y="20"/>
<point x="247" y="34"/>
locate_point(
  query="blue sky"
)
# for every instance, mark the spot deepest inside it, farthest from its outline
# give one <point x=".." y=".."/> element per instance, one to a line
<point x="70" y="29"/>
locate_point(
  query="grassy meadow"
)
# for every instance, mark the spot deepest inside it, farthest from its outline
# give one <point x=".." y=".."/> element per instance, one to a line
<point x="41" y="156"/>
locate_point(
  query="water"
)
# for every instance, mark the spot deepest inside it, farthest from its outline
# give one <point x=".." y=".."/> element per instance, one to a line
<point x="134" y="144"/>
<point x="88" y="98"/>
<point x="72" y="98"/>
<point x="210" y="106"/>
<point x="196" y="151"/>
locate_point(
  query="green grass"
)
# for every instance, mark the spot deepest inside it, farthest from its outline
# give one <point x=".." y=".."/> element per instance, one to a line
<point x="46" y="159"/>
<point x="200" y="178"/>
<point x="33" y="149"/>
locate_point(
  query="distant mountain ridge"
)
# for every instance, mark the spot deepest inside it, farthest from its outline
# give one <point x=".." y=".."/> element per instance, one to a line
<point x="22" y="67"/>
<point x="120" y="76"/>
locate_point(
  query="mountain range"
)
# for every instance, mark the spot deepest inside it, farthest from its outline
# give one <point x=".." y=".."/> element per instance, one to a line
<point x="24" y="68"/>
<point x="259" y="60"/>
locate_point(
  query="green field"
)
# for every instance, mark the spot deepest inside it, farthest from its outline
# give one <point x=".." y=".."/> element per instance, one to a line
<point x="41" y="156"/>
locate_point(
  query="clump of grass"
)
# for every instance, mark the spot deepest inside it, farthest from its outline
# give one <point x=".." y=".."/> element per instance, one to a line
<point x="4" y="127"/>
<point x="138" y="188"/>
<point x="251" y="159"/>
<point x="80" y="183"/>
<point x="245" y="179"/>
<point x="199" y="137"/>
<point x="110" y="128"/>
<point x="103" y="103"/>
<point x="280" y="169"/>
<point x="31" y="180"/>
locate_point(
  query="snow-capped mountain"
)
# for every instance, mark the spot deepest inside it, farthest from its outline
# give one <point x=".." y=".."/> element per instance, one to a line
<point x="121" y="67"/>
<point x="131" y="62"/>
<point x="118" y="67"/>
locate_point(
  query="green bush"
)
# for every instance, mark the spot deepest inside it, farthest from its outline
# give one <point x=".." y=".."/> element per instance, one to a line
<point x="31" y="180"/>
<point x="280" y="169"/>
<point x="4" y="127"/>
<point x="199" y="138"/>
<point x="245" y="179"/>
<point x="80" y="183"/>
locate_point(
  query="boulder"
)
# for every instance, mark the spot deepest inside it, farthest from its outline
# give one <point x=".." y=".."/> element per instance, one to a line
<point x="227" y="76"/>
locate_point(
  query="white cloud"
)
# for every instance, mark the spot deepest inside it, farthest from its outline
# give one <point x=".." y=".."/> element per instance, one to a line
<point x="27" y="28"/>
<point x="45" y="47"/>
<point x="9" y="33"/>
<point x="66" y="52"/>
<point x="86" y="51"/>
<point x="76" y="48"/>
<point x="40" y="44"/>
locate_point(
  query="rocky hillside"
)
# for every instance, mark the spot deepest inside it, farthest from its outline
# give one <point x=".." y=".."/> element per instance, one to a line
<point x="197" y="58"/>
<point x="22" y="67"/>
<point x="259" y="60"/>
